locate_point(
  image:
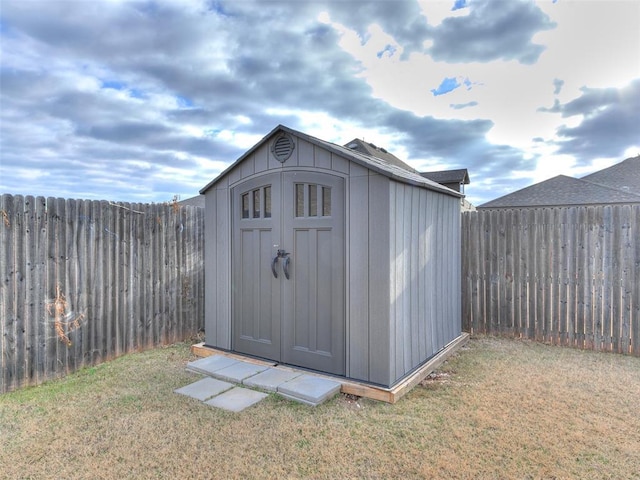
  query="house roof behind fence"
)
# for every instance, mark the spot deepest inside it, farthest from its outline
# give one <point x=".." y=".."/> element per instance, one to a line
<point x="560" y="191"/>
<point x="460" y="175"/>
<point x="623" y="176"/>
<point x="197" y="201"/>
<point x="378" y="152"/>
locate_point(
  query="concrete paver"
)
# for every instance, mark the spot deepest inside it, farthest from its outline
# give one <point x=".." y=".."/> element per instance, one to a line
<point x="209" y="365"/>
<point x="309" y="389"/>
<point x="271" y="378"/>
<point x="236" y="399"/>
<point x="239" y="371"/>
<point x="204" y="389"/>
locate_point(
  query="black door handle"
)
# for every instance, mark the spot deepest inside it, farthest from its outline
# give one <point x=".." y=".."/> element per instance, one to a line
<point x="274" y="263"/>
<point x="285" y="266"/>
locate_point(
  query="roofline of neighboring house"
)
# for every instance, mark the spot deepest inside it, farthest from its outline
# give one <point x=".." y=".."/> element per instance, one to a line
<point x="564" y="205"/>
<point x="462" y="178"/>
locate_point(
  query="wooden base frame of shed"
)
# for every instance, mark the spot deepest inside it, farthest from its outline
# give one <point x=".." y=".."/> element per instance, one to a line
<point x="389" y="395"/>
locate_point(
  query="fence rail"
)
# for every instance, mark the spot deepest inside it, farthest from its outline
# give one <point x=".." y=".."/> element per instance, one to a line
<point x="568" y="276"/>
<point x="85" y="281"/>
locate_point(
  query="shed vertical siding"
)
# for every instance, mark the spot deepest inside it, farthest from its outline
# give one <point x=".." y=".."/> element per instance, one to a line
<point x="211" y="274"/>
<point x="217" y="267"/>
<point x="358" y="271"/>
<point x="378" y="283"/>
<point x="424" y="248"/>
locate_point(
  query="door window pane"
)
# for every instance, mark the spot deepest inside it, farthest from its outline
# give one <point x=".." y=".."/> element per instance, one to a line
<point x="299" y="200"/>
<point x="313" y="200"/>
<point x="256" y="203"/>
<point x="326" y="201"/>
<point x="267" y="201"/>
<point x="245" y="205"/>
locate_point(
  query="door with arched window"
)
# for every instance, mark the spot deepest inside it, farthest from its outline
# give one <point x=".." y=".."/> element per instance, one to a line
<point x="288" y="283"/>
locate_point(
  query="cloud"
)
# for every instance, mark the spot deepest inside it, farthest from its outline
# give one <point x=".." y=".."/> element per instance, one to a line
<point x="404" y="21"/>
<point x="460" y="106"/>
<point x="609" y="126"/>
<point x="557" y="86"/>
<point x="556" y="108"/>
<point x="491" y="31"/>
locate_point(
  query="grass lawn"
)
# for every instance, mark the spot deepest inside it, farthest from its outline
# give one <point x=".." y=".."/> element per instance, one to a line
<point x="498" y="409"/>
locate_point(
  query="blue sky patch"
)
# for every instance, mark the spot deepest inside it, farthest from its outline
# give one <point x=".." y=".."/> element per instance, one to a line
<point x="458" y="5"/>
<point x="447" y="85"/>
<point x="122" y="86"/>
<point x="115" y="85"/>
<point x="219" y="8"/>
<point x="135" y="93"/>
<point x="450" y="84"/>
<point x="390" y="49"/>
<point x="184" y="102"/>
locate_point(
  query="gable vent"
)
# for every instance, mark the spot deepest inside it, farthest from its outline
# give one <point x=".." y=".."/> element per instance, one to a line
<point x="282" y="147"/>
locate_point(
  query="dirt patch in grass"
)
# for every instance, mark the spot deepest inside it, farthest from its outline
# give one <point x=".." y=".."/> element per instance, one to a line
<point x="498" y="409"/>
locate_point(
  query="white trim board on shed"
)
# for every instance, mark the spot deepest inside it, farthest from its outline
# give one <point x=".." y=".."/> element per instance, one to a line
<point x="359" y="274"/>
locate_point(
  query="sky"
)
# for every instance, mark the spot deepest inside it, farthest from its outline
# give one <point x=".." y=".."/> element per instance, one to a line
<point x="140" y="101"/>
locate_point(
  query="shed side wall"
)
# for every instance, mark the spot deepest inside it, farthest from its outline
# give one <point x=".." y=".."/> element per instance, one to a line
<point x="217" y="267"/>
<point x="424" y="312"/>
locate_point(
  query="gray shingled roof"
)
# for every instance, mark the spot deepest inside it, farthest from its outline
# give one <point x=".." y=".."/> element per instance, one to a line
<point x="378" y="152"/>
<point x="460" y="175"/>
<point x="562" y="190"/>
<point x="197" y="201"/>
<point x="623" y="176"/>
<point x="402" y="173"/>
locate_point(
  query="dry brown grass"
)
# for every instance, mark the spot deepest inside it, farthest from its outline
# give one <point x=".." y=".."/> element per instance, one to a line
<point x="499" y="409"/>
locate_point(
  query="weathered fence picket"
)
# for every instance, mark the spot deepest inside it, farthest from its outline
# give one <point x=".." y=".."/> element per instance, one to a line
<point x="566" y="275"/>
<point x="84" y="281"/>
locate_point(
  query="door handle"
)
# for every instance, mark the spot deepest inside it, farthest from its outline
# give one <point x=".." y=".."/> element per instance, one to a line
<point x="285" y="265"/>
<point x="274" y="262"/>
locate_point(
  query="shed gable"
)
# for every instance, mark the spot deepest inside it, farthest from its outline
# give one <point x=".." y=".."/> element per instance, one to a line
<point x="310" y="152"/>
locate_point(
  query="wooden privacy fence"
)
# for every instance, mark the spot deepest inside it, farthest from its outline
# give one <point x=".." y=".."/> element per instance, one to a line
<point x="85" y="281"/>
<point x="567" y="275"/>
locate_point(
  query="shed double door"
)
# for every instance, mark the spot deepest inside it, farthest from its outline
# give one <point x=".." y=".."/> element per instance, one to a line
<point x="288" y="287"/>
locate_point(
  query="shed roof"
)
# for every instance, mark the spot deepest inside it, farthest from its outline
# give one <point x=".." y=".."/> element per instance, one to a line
<point x="399" y="172"/>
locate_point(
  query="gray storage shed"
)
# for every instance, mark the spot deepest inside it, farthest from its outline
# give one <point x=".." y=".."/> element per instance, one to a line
<point x="326" y="258"/>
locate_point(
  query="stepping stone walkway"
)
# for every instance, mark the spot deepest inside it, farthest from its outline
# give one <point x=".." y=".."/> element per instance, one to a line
<point x="219" y="388"/>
